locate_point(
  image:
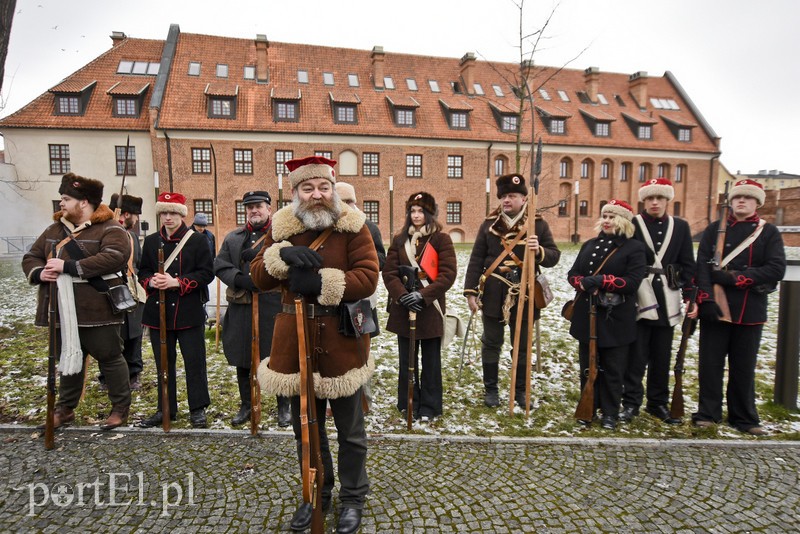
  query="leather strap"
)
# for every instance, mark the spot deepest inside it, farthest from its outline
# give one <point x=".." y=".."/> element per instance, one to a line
<point x="508" y="250"/>
<point x="312" y="310"/>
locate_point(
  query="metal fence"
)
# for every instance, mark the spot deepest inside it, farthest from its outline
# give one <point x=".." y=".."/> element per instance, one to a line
<point x="16" y="245"/>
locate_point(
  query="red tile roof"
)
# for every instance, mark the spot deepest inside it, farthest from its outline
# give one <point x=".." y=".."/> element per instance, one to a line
<point x="344" y="97"/>
<point x="285" y="93"/>
<point x="679" y="121"/>
<point x="221" y="89"/>
<point x="553" y="111"/>
<point x="455" y="104"/>
<point x="402" y="101"/>
<point x="597" y="114"/>
<point x="128" y="88"/>
<point x="73" y="86"/>
<point x="640" y="117"/>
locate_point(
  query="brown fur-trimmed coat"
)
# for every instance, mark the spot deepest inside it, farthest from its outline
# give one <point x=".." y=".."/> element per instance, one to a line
<point x="349" y="273"/>
<point x="106" y="247"/>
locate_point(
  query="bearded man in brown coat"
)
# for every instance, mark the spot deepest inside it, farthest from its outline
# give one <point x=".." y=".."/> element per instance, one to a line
<point x="344" y="268"/>
<point x="92" y="250"/>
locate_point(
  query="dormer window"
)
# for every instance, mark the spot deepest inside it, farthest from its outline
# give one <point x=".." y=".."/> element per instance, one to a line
<point x="285" y="104"/>
<point x="680" y="128"/>
<point x="221" y="101"/>
<point x="404" y="110"/>
<point x="127" y="98"/>
<point x="599" y="122"/>
<point x="345" y="107"/>
<point x="506" y="115"/>
<point x="554" y="118"/>
<point x="457" y="113"/>
<point x="71" y="97"/>
<point x="640" y="124"/>
<point x="602" y="129"/>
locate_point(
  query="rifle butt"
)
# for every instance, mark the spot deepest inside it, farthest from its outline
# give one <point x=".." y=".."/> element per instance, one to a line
<point x="255" y="360"/>
<point x="676" y="409"/>
<point x="412" y="364"/>
<point x="722" y="301"/>
<point x="585" y="409"/>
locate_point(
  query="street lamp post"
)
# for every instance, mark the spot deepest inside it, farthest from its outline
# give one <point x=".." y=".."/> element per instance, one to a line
<point x="280" y="190"/>
<point x="488" y="189"/>
<point x="575" y="237"/>
<point x="391" y="206"/>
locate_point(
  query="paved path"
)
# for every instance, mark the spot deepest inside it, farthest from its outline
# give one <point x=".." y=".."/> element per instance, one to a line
<point x="225" y="481"/>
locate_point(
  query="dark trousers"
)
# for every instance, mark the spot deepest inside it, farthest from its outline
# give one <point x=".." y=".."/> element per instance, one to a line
<point x="193" y="350"/>
<point x="492" y="344"/>
<point x="611" y="363"/>
<point x="739" y="343"/>
<point x="348" y="417"/>
<point x="105" y="346"/>
<point x="651" y="351"/>
<point x="428" y="383"/>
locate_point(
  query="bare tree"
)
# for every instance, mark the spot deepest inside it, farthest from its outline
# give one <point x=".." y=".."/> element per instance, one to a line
<point x="7" y="8"/>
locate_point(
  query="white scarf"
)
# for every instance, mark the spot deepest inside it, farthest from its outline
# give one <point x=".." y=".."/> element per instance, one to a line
<point x="512" y="221"/>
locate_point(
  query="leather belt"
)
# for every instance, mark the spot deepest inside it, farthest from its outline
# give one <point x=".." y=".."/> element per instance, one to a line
<point x="655" y="270"/>
<point x="313" y="310"/>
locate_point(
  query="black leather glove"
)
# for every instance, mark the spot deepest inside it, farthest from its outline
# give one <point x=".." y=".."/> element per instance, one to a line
<point x="709" y="311"/>
<point x="306" y="282"/>
<point x="249" y="253"/>
<point x="301" y="257"/>
<point x="590" y="283"/>
<point x="244" y="281"/>
<point x="723" y="278"/>
<point x="413" y="301"/>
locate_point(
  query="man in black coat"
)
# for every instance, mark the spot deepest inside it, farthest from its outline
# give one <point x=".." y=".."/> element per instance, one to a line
<point x="752" y="263"/>
<point x="487" y="285"/>
<point x="187" y="270"/>
<point x="670" y="267"/>
<point x="232" y="266"/>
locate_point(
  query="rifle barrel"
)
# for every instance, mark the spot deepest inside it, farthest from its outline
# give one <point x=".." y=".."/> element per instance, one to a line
<point x="49" y="424"/>
<point x="163" y="357"/>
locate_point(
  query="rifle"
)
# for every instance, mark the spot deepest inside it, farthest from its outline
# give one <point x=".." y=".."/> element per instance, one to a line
<point x="676" y="410"/>
<point x="719" y="292"/>
<point x="162" y="332"/>
<point x="118" y="210"/>
<point x="410" y="282"/>
<point x="255" y="360"/>
<point x="49" y="423"/>
<point x="585" y="410"/>
<point x="311" y="457"/>
<point x="216" y="249"/>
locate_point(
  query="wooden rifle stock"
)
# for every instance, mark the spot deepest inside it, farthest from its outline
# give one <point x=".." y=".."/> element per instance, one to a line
<point x="676" y="410"/>
<point x="311" y="457"/>
<point x="162" y="333"/>
<point x="585" y="410"/>
<point x="719" y="292"/>
<point x="49" y="422"/>
<point x="255" y="360"/>
<point x="411" y="286"/>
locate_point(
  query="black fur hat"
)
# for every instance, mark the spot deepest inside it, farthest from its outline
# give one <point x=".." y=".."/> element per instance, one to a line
<point x="82" y="188"/>
<point x="129" y="204"/>
<point x="423" y="200"/>
<point x="511" y="183"/>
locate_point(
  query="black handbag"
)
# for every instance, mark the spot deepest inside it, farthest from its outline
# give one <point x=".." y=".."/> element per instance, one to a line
<point x="355" y="318"/>
<point x="121" y="298"/>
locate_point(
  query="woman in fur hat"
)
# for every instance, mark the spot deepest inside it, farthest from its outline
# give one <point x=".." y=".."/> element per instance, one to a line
<point x="610" y="268"/>
<point x="420" y="244"/>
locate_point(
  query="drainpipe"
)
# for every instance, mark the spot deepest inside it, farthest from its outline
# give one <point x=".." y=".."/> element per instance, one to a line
<point x="713" y="189"/>
<point x="169" y="159"/>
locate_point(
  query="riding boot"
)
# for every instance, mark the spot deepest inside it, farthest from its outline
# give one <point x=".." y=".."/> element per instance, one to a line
<point x="491" y="398"/>
<point x="519" y="386"/>
<point x="284" y="411"/>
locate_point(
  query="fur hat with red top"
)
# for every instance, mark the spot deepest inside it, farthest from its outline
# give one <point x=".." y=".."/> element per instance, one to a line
<point x="82" y="188"/>
<point x="171" y="203"/>
<point x="657" y="187"/>
<point x="748" y="188"/>
<point x="511" y="183"/>
<point x="423" y="200"/>
<point x="303" y="169"/>
<point x="620" y="208"/>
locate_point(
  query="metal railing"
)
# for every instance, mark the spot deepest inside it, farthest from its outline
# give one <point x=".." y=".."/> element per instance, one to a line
<point x="15" y="245"/>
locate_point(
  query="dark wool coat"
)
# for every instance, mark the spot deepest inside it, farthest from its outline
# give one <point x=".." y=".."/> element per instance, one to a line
<point x="378" y="240"/>
<point x="679" y="253"/>
<point x="106" y="249"/>
<point x="622" y="274"/>
<point x="133" y="320"/>
<point x="754" y="273"/>
<point x="192" y="268"/>
<point x="430" y="323"/>
<point x="237" y="323"/>
<point x="489" y="245"/>
<point x="349" y="272"/>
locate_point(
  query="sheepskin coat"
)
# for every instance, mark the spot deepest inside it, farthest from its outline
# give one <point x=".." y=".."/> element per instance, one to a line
<point x="106" y="249"/>
<point x="349" y="272"/>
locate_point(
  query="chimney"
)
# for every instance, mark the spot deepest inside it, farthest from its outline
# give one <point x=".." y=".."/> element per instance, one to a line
<point x="117" y="38"/>
<point x="637" y="85"/>
<point x="468" y="72"/>
<point x="378" y="58"/>
<point x="262" y="58"/>
<point x="592" y="79"/>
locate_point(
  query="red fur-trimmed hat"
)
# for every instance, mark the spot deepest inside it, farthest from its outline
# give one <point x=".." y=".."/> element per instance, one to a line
<point x="748" y="188"/>
<point x="303" y="169"/>
<point x="657" y="187"/>
<point x="172" y="203"/>
<point x="619" y="208"/>
<point x="82" y="188"/>
<point x="423" y="200"/>
<point x="511" y="183"/>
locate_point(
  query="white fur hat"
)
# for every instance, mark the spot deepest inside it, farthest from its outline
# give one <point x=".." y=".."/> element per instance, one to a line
<point x="749" y="188"/>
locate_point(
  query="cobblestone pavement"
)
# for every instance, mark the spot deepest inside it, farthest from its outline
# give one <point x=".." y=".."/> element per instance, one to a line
<point x="226" y="481"/>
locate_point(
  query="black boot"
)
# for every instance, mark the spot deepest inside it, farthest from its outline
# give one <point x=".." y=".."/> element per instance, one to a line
<point x="284" y="412"/>
<point x="491" y="397"/>
<point x="242" y="416"/>
<point x="519" y="386"/>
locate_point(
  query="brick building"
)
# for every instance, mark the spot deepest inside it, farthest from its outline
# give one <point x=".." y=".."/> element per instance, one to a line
<point x="200" y="106"/>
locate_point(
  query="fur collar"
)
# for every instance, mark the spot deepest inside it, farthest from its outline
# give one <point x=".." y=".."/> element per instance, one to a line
<point x="102" y="214"/>
<point x="285" y="224"/>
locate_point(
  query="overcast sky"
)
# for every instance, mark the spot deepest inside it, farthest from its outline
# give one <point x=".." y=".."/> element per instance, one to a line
<point x="735" y="58"/>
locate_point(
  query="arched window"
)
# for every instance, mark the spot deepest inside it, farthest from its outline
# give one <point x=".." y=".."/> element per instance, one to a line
<point x="565" y="168"/>
<point x="348" y="163"/>
<point x="606" y="169"/>
<point x="680" y="173"/>
<point x="644" y="172"/>
<point x="587" y="169"/>
<point x="500" y="165"/>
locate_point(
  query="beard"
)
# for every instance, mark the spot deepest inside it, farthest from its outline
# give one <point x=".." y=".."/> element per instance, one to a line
<point x="317" y="214"/>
